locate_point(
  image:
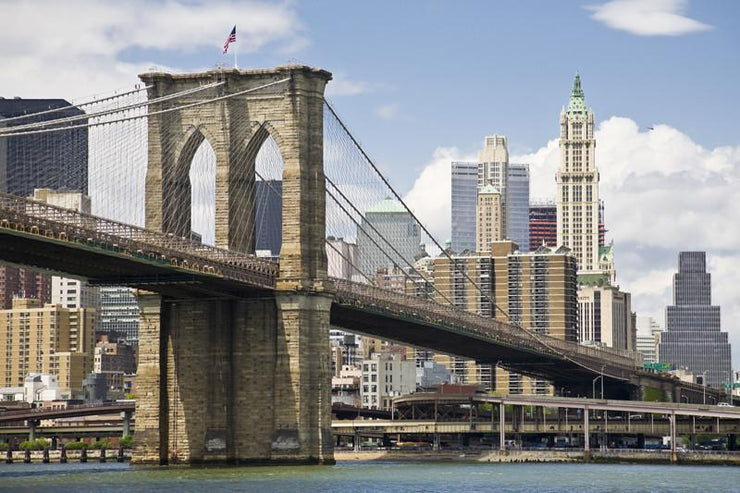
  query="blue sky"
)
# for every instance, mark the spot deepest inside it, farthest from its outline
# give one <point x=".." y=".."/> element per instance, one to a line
<point x="421" y="83"/>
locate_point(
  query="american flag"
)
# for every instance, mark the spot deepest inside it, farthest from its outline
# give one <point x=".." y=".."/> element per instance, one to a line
<point x="230" y="39"/>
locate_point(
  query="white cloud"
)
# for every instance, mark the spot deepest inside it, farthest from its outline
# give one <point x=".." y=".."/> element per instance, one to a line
<point x="647" y="17"/>
<point x="83" y="50"/>
<point x="663" y="193"/>
<point x="342" y="85"/>
<point x="430" y="196"/>
<point x="387" y="111"/>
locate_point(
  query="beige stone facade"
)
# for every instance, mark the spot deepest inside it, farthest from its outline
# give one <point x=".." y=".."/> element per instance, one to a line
<point x="46" y="339"/>
<point x="489" y="218"/>
<point x="578" y="183"/>
<point x="241" y="380"/>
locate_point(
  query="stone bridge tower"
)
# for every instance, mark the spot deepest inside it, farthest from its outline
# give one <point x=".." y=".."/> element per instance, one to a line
<point x="238" y="380"/>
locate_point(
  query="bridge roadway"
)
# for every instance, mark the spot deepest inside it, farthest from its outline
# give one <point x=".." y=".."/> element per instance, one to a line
<point x="108" y="252"/>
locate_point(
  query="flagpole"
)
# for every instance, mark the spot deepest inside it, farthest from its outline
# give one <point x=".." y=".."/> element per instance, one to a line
<point x="235" y="67"/>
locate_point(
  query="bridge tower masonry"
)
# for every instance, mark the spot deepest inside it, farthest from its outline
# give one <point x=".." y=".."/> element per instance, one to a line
<point x="239" y="380"/>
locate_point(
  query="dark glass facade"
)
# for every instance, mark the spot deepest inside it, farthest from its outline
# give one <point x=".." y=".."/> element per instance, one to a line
<point x="693" y="339"/>
<point x="269" y="216"/>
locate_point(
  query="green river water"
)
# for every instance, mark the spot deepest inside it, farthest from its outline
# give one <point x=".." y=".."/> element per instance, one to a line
<point x="372" y="476"/>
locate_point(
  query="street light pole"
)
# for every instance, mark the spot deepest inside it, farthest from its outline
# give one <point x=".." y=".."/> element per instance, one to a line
<point x="602" y="380"/>
<point x="593" y="386"/>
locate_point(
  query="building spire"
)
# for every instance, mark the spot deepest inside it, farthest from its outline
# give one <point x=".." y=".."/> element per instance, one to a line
<point x="577" y="99"/>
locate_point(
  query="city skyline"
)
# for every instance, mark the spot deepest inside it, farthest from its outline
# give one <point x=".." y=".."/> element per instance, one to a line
<point x="664" y="99"/>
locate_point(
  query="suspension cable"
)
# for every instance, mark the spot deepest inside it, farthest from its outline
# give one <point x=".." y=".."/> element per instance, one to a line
<point x="75" y="105"/>
<point x="137" y="117"/>
<point x="86" y="116"/>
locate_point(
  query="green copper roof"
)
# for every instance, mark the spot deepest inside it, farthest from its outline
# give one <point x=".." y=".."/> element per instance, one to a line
<point x="607" y="252"/>
<point x="577" y="102"/>
<point x="489" y="189"/>
<point x="388" y="206"/>
<point x="594" y="279"/>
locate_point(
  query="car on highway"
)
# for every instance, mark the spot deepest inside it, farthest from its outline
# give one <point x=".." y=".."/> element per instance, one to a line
<point x="725" y="404"/>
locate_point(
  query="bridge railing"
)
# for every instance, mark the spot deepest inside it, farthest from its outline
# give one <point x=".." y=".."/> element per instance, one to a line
<point x="66" y="224"/>
<point x="403" y="305"/>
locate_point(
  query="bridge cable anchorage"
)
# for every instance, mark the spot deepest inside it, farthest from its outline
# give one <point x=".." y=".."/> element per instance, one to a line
<point x="547" y="342"/>
<point x="138" y="117"/>
<point x="102" y="113"/>
<point x="92" y="102"/>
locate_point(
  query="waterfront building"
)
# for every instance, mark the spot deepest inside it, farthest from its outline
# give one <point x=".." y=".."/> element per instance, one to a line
<point x="648" y="336"/>
<point x="113" y="356"/>
<point x="693" y="338"/>
<point x="605" y="315"/>
<point x="395" y="224"/>
<point x="384" y="377"/>
<point x="464" y="190"/>
<point x="489" y="225"/>
<point x="46" y="339"/>
<point x="340" y="259"/>
<point x="431" y="374"/>
<point x="119" y="314"/>
<point x="345" y="386"/>
<point x="578" y="182"/>
<point x="536" y="290"/>
<point x="464" y="281"/>
<point x="70" y="293"/>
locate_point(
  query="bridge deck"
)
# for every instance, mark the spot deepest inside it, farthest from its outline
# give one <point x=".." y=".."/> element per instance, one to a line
<point x="105" y="251"/>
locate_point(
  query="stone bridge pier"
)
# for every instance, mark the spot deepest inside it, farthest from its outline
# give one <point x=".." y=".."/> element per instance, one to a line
<point x="239" y="380"/>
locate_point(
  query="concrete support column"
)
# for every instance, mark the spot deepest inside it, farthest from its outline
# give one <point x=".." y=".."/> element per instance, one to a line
<point x="502" y="428"/>
<point x="674" y="457"/>
<point x="586" y="434"/>
<point x="32" y="425"/>
<point x="150" y="446"/>
<point x="126" y="419"/>
<point x="356" y="441"/>
<point x="303" y="380"/>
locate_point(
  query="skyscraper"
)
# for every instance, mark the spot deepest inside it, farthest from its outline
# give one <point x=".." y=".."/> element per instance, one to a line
<point x="543" y="224"/>
<point x="55" y="160"/>
<point x="511" y="180"/>
<point x="493" y="168"/>
<point x="517" y="210"/>
<point x="489" y="218"/>
<point x="605" y="317"/>
<point x="463" y="198"/>
<point x="269" y="216"/>
<point x="692" y="338"/>
<point x="119" y="314"/>
<point x="394" y="223"/>
<point x="578" y="182"/>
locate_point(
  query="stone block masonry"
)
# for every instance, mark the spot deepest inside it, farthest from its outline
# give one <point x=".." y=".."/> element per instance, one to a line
<point x="239" y="380"/>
